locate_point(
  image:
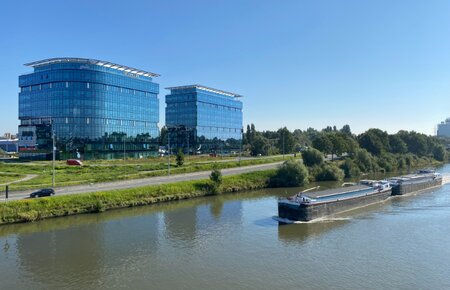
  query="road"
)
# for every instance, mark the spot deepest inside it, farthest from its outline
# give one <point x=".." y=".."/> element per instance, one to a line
<point x="123" y="184"/>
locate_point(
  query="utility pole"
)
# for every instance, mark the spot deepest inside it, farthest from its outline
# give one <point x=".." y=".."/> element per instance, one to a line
<point x="124" y="154"/>
<point x="168" y="150"/>
<point x="53" y="153"/>
<point x="240" y="147"/>
<point x="283" y="144"/>
<point x="187" y="133"/>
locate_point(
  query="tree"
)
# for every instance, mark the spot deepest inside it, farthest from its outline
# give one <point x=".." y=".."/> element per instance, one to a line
<point x="180" y="157"/>
<point x="291" y="173"/>
<point x="416" y="143"/>
<point x="327" y="172"/>
<point x="322" y="143"/>
<point x="346" y="130"/>
<point x="338" y="145"/>
<point x="286" y="141"/>
<point x="163" y="136"/>
<point x="397" y="145"/>
<point x="260" y="145"/>
<point x="439" y="153"/>
<point x="350" y="169"/>
<point x="216" y="179"/>
<point x="375" y="141"/>
<point x="312" y="157"/>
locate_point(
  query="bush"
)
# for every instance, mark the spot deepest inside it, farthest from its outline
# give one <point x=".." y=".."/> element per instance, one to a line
<point x="387" y="162"/>
<point x="312" y="157"/>
<point x="180" y="157"/>
<point x="327" y="172"/>
<point x="365" y="161"/>
<point x="291" y="173"/>
<point x="216" y="179"/>
<point x="350" y="169"/>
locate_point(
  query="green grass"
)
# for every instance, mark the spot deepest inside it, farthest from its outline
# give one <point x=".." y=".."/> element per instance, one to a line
<point x="103" y="171"/>
<point x="9" y="177"/>
<point x="36" y="209"/>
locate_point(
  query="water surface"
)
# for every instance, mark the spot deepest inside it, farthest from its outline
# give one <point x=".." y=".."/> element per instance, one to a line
<point x="232" y="242"/>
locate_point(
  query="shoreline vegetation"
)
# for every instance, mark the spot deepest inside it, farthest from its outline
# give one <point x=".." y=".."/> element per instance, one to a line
<point x="28" y="210"/>
<point x="291" y="173"/>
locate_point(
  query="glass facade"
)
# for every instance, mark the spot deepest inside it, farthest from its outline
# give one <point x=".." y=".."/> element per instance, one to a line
<point x="95" y="108"/>
<point x="204" y="120"/>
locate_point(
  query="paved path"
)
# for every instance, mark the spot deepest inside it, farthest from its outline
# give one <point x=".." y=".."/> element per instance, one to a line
<point x="123" y="184"/>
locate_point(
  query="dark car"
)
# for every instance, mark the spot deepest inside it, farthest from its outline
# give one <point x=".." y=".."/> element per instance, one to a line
<point x="43" y="192"/>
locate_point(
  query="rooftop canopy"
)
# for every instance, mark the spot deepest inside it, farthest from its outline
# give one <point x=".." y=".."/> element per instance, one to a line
<point x="94" y="62"/>
<point x="208" y="89"/>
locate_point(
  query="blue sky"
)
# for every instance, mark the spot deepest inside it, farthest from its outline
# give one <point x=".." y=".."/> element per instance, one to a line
<point x="300" y="64"/>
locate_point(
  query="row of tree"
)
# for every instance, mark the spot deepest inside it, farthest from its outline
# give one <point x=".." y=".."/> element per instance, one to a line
<point x="336" y="142"/>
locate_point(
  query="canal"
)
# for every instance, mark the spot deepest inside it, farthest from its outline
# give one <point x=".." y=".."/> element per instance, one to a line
<point x="232" y="242"/>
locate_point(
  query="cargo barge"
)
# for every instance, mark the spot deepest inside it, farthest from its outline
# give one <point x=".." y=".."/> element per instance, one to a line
<point x="316" y="204"/>
<point x="421" y="180"/>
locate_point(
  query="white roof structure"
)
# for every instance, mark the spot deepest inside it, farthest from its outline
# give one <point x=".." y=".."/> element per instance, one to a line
<point x="208" y="89"/>
<point x="94" y="62"/>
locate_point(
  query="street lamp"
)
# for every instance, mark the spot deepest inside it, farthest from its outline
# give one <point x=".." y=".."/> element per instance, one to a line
<point x="168" y="150"/>
<point x="240" y="146"/>
<point x="124" y="153"/>
<point x="53" y="153"/>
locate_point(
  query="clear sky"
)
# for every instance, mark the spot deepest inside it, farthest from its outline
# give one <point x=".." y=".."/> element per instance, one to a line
<point x="299" y="63"/>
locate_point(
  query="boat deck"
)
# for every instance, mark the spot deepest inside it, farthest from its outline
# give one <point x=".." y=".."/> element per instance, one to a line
<point x="336" y="191"/>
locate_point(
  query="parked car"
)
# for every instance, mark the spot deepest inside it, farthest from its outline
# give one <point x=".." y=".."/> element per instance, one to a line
<point x="43" y="192"/>
<point x="74" y="162"/>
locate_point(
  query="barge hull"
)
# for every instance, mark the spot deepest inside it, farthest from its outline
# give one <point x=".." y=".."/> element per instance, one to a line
<point x="417" y="186"/>
<point x="308" y="212"/>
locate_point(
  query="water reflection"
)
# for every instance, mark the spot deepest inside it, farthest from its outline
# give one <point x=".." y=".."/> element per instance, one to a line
<point x="299" y="233"/>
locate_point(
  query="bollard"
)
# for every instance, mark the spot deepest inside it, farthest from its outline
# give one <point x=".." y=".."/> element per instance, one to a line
<point x="6" y="191"/>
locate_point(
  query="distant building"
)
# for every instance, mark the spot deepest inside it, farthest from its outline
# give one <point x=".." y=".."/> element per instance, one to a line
<point x="204" y="120"/>
<point x="97" y="108"/>
<point x="443" y="129"/>
<point x="9" y="145"/>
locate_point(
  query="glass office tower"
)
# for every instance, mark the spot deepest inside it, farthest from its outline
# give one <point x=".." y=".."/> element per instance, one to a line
<point x="95" y="108"/>
<point x="203" y="120"/>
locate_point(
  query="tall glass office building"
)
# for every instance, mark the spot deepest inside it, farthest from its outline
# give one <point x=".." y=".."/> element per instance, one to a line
<point x="95" y="108"/>
<point x="204" y="120"/>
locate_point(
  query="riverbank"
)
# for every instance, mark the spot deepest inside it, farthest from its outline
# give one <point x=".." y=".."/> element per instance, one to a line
<point x="29" y="210"/>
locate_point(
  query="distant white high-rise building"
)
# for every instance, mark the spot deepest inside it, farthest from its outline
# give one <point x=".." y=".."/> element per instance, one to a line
<point x="443" y="129"/>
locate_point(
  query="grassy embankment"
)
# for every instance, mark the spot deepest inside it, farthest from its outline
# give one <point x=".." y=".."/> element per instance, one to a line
<point x="9" y="177"/>
<point x="102" y="171"/>
<point x="36" y="209"/>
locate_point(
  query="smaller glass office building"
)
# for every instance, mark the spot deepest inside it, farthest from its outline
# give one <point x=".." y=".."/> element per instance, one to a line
<point x="200" y="119"/>
<point x="96" y="109"/>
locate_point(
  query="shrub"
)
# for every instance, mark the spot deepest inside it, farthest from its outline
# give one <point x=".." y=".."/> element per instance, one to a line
<point x="350" y="169"/>
<point x="216" y="179"/>
<point x="387" y="162"/>
<point x="312" y="157"/>
<point x="365" y="161"/>
<point x="180" y="157"/>
<point x="327" y="172"/>
<point x="290" y="173"/>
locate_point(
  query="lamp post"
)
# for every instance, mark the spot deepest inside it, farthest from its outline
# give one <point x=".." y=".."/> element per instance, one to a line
<point x="53" y="155"/>
<point x="124" y="153"/>
<point x="168" y="150"/>
<point x="240" y="146"/>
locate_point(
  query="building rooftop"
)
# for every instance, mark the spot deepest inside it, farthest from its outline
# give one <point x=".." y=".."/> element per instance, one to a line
<point x="208" y="89"/>
<point x="94" y="62"/>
